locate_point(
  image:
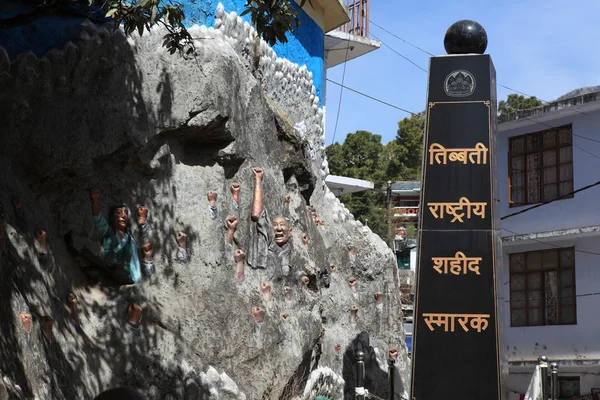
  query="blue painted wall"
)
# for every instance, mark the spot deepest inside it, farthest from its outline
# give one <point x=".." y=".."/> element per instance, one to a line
<point x="305" y="45"/>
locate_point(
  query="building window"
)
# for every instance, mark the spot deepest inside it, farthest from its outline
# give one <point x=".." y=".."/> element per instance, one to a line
<point x="542" y="288"/>
<point x="568" y="386"/>
<point x="540" y="166"/>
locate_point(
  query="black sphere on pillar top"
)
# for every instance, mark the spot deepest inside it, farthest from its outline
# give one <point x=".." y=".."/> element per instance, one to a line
<point x="465" y="37"/>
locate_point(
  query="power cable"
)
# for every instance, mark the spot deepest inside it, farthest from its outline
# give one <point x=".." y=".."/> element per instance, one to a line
<point x="406" y="58"/>
<point x="426" y="52"/>
<point x="528" y="118"/>
<point x="373" y="98"/>
<point x="337" y="118"/>
<point x="398" y="37"/>
<point x="550" y="201"/>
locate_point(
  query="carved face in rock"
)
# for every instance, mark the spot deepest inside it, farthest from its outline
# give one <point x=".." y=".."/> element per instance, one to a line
<point x="282" y="230"/>
<point x="120" y="218"/>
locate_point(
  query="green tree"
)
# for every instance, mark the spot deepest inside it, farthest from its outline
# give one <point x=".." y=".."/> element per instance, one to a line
<point x="271" y="18"/>
<point x="360" y="157"/>
<point x="515" y="102"/>
<point x="409" y="149"/>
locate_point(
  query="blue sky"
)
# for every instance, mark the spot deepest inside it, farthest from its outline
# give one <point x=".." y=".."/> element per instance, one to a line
<point x="542" y="48"/>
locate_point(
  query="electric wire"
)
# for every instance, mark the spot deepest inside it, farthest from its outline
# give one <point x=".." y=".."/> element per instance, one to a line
<point x="373" y="98"/>
<point x="551" y="201"/>
<point x="337" y="118"/>
<point x="552" y="244"/>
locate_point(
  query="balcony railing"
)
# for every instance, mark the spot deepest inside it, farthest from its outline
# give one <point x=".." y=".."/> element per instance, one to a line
<point x="359" y="18"/>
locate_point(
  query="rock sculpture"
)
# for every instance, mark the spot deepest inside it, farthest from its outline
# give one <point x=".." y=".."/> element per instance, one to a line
<point x="231" y="224"/>
<point x="213" y="211"/>
<point x="323" y="383"/>
<point x="265" y="288"/>
<point x="235" y="194"/>
<point x="324" y="276"/>
<point x="393" y="353"/>
<point x="271" y="246"/>
<point x="284" y="316"/>
<point x="305" y="240"/>
<point x="134" y="316"/>
<point x="120" y="250"/>
<point x="182" y="254"/>
<point x="239" y="256"/>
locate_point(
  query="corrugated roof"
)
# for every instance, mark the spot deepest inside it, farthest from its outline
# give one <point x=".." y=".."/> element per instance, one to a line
<point x="406" y="185"/>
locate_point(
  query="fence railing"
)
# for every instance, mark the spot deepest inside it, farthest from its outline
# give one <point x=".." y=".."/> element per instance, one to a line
<point x="359" y="18"/>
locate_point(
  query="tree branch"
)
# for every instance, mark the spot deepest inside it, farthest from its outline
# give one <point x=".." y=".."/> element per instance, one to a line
<point x="39" y="12"/>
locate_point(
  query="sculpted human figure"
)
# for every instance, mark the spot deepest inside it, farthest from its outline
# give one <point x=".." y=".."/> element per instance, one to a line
<point x="182" y="254"/>
<point x="337" y="348"/>
<point x="47" y="324"/>
<point x="286" y="206"/>
<point x="353" y="313"/>
<point x="351" y="253"/>
<point x="134" y="315"/>
<point x="379" y="300"/>
<point x="120" y="249"/>
<point x="305" y="240"/>
<point x="393" y="353"/>
<point x="289" y="295"/>
<point x="265" y="288"/>
<point x="304" y="280"/>
<point x="26" y="321"/>
<point x="213" y="211"/>
<point x="41" y="237"/>
<point x="147" y="249"/>
<point x="235" y="194"/>
<point x="72" y="303"/>
<point x="258" y="314"/>
<point x="231" y="224"/>
<point x="239" y="256"/>
<point x="284" y="316"/>
<point x="352" y="282"/>
<point x="271" y="247"/>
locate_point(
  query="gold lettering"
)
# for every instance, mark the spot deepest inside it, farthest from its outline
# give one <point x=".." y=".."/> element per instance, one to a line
<point x="440" y="262"/>
<point x="478" y="152"/>
<point x="433" y="207"/>
<point x="458" y="264"/>
<point x="458" y="155"/>
<point x="447" y="320"/>
<point x="436" y="151"/>
<point x="458" y="209"/>
<point x="440" y="155"/>
<point x="479" y="322"/>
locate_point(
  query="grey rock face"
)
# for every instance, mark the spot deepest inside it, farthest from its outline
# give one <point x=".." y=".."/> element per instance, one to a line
<point x="159" y="130"/>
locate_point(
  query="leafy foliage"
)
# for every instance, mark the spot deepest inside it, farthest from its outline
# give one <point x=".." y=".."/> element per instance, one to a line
<point x="272" y="19"/>
<point x="363" y="156"/>
<point x="515" y="102"/>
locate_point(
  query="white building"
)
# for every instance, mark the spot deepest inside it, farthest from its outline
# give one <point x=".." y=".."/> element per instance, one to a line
<point x="551" y="253"/>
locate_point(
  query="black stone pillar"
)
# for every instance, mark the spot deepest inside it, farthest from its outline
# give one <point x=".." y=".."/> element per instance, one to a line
<point x="457" y="349"/>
